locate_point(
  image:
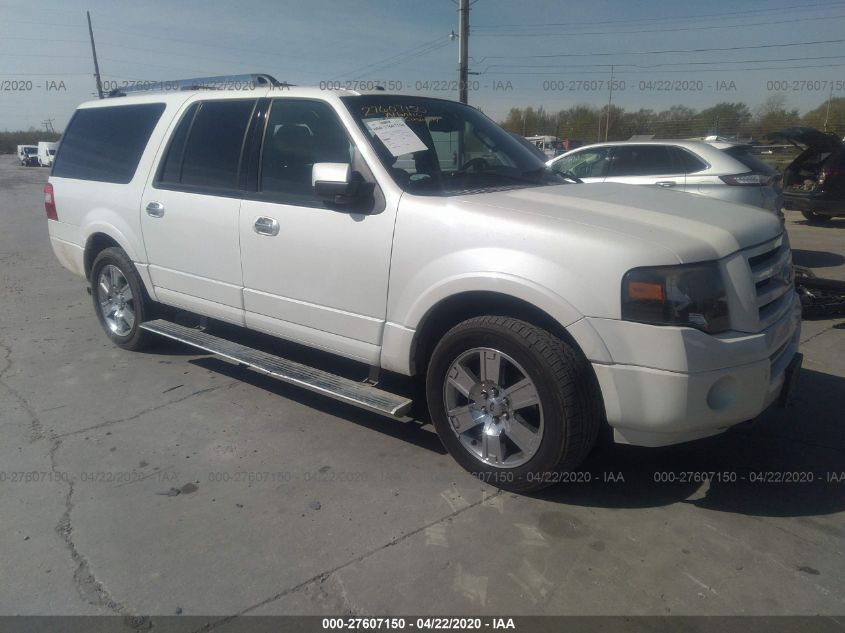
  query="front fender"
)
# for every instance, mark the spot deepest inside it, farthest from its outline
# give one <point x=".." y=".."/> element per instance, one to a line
<point x="399" y="337"/>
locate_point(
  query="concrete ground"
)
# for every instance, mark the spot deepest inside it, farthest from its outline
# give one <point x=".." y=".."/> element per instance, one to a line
<point x="172" y="483"/>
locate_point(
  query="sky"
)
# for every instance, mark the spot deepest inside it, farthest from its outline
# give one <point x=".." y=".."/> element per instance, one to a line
<point x="550" y="53"/>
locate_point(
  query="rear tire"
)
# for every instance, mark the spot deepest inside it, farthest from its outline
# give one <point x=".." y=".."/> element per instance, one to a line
<point x="513" y="404"/>
<point x="815" y="218"/>
<point x="120" y="301"/>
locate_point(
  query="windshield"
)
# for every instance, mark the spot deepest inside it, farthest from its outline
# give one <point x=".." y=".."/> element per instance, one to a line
<point x="30" y="150"/>
<point x="437" y="147"/>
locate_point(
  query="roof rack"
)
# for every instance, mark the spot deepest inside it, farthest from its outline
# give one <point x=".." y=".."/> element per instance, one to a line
<point x="223" y="82"/>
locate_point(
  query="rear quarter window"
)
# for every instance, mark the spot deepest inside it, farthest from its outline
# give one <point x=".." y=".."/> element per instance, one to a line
<point x="689" y="161"/>
<point x="106" y="144"/>
<point x="752" y="162"/>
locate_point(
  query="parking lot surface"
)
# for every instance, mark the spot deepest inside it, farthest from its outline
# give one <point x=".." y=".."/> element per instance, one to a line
<point x="169" y="482"/>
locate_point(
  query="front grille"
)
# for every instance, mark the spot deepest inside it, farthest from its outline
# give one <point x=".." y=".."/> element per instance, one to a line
<point x="773" y="277"/>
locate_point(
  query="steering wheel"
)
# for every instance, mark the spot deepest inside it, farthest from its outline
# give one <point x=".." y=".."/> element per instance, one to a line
<point x="476" y="164"/>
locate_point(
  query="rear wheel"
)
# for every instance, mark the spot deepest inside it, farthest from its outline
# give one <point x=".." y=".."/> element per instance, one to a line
<point x="119" y="299"/>
<point x="512" y="403"/>
<point x="815" y="218"/>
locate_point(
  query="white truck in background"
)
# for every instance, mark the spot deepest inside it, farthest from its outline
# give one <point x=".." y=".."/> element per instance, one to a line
<point x="46" y="152"/>
<point x="28" y="155"/>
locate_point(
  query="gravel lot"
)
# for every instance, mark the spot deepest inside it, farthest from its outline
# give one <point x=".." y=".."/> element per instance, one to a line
<point x="170" y="482"/>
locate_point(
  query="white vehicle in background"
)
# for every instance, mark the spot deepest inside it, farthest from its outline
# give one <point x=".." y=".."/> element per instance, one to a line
<point x="551" y="146"/>
<point x="533" y="312"/>
<point x="46" y="153"/>
<point x="28" y="155"/>
<point x="715" y="169"/>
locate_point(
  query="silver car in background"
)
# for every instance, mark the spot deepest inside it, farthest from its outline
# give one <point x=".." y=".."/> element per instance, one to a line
<point x="716" y="169"/>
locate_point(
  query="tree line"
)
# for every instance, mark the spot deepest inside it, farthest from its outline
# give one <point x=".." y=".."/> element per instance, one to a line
<point x="589" y="123"/>
<point x="9" y="141"/>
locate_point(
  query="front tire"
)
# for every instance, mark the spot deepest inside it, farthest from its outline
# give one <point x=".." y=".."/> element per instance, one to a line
<point x="120" y="301"/>
<point x="512" y="403"/>
<point x="815" y="218"/>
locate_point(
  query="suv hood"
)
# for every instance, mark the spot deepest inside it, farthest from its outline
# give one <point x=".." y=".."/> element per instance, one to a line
<point x="807" y="136"/>
<point x="693" y="228"/>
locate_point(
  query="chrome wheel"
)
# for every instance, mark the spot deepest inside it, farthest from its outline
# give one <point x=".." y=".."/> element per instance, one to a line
<point x="117" y="304"/>
<point x="493" y="407"/>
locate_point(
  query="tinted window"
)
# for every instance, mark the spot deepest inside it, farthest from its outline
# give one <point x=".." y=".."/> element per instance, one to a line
<point x="752" y="162"/>
<point x="171" y="169"/>
<point x="105" y="144"/>
<point x="689" y="162"/>
<point x="300" y="133"/>
<point x="641" y="160"/>
<point x="213" y="151"/>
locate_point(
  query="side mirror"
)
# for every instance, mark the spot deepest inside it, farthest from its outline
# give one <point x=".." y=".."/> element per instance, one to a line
<point x="334" y="183"/>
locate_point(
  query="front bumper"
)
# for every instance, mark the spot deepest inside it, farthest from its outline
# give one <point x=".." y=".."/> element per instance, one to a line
<point x="670" y="385"/>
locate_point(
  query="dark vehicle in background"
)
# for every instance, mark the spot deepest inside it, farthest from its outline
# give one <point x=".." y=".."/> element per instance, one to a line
<point x="814" y="183"/>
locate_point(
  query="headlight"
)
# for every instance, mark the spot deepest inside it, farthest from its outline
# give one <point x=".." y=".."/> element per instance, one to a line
<point x="692" y="295"/>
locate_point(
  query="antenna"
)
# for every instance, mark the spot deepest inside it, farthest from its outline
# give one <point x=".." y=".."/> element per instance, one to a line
<point x="94" y="52"/>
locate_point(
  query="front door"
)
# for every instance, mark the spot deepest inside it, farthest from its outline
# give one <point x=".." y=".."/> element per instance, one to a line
<point x="312" y="272"/>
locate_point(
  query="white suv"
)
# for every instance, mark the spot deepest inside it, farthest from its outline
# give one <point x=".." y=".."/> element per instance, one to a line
<point x="716" y="169"/>
<point x="416" y="236"/>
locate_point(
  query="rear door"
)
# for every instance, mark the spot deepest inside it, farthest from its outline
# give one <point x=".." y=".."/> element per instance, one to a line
<point x="189" y="214"/>
<point x="645" y="165"/>
<point x="695" y="171"/>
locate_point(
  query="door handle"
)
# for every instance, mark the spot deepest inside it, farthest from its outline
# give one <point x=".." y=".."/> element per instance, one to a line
<point x="666" y="183"/>
<point x="266" y="226"/>
<point x="155" y="209"/>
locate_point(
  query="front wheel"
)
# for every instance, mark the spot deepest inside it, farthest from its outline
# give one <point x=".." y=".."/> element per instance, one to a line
<point x="119" y="299"/>
<point x="815" y="218"/>
<point x="511" y="402"/>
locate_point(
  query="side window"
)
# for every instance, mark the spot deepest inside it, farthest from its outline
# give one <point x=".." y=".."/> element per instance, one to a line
<point x="106" y="144"/>
<point x="588" y="163"/>
<point x="205" y="149"/>
<point x="642" y="160"/>
<point x="299" y="133"/>
<point x="171" y="167"/>
<point x="688" y="161"/>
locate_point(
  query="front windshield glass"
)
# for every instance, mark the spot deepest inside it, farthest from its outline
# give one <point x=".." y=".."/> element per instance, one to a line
<point x="437" y="147"/>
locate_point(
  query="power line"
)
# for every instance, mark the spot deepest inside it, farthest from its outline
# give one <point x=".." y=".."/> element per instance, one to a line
<point x="686" y="71"/>
<point x="660" y="30"/>
<point x="398" y="58"/>
<point x="661" y="65"/>
<point x="681" y="50"/>
<point x="802" y="7"/>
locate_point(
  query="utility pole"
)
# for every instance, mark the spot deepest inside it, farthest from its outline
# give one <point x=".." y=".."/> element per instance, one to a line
<point x="94" y="52"/>
<point x="48" y="126"/>
<point x="463" y="51"/>
<point x="827" y="114"/>
<point x="609" y="102"/>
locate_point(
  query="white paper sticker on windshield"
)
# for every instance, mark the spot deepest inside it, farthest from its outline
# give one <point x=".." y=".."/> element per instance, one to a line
<point x="397" y="137"/>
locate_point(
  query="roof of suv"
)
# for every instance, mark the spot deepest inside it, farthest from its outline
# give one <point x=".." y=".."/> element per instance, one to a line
<point x="166" y="96"/>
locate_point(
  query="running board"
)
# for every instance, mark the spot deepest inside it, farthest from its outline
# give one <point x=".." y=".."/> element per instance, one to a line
<point x="359" y="394"/>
